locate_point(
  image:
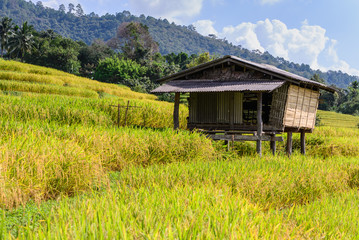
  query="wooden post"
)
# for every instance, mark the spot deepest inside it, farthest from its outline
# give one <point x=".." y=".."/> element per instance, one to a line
<point x="273" y="146"/>
<point x="302" y="142"/>
<point x="259" y="123"/>
<point x="176" y="111"/>
<point x="289" y="143"/>
<point x="118" y="115"/>
<point x="144" y="118"/>
<point x="232" y="142"/>
<point x="128" y="103"/>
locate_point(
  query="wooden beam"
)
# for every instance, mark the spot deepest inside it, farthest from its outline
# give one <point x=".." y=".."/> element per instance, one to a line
<point x="289" y="143"/>
<point x="245" y="138"/>
<point x="302" y="142"/>
<point x="259" y="123"/>
<point x="237" y="127"/>
<point x="176" y="111"/>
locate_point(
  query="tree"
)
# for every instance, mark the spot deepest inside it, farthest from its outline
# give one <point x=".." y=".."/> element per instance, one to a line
<point x="316" y="77"/>
<point x="6" y="31"/>
<point x="71" y="8"/>
<point x="202" y="58"/>
<point x="79" y="10"/>
<point x="39" y="4"/>
<point x="22" y="41"/>
<point x="134" y="41"/>
<point x="53" y="50"/>
<point x="181" y="59"/>
<point x="62" y="8"/>
<point x="115" y="70"/>
<point x="355" y="84"/>
<point x="90" y="56"/>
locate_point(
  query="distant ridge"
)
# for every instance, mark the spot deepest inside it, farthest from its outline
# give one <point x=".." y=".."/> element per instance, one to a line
<point x="172" y="38"/>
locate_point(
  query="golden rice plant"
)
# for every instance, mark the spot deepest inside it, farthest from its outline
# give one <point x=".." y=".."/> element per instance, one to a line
<point x="16" y="71"/>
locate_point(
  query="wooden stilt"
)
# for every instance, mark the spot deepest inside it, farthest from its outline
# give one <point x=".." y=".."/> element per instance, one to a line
<point x="273" y="146"/>
<point x="176" y="111"/>
<point x="259" y="123"/>
<point x="128" y="104"/>
<point x="118" y="115"/>
<point x="289" y="143"/>
<point x="232" y="142"/>
<point x="302" y="142"/>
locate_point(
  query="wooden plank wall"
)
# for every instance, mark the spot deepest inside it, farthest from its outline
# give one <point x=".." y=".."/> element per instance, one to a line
<point x="223" y="107"/>
<point x="192" y="107"/>
<point x="301" y="107"/>
<point x="216" y="108"/>
<point x="238" y="107"/>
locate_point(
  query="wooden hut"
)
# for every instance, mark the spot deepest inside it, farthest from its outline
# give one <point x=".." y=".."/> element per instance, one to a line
<point x="237" y="100"/>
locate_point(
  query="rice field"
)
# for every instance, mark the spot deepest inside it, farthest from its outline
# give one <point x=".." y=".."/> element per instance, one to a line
<point x="50" y="81"/>
<point x="68" y="172"/>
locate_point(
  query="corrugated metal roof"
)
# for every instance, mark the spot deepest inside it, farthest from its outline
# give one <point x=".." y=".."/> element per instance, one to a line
<point x="196" y="85"/>
<point x="269" y="69"/>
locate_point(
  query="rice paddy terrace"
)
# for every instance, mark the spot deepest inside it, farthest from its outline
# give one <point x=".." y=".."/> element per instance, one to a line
<point x="68" y="172"/>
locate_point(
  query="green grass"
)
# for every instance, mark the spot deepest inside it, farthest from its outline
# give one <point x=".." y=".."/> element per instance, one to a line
<point x="67" y="171"/>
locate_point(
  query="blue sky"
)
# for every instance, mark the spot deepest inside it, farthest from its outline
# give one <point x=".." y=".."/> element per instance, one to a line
<point x="321" y="33"/>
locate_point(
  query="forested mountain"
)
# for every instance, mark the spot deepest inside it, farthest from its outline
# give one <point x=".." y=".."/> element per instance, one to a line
<point x="73" y="23"/>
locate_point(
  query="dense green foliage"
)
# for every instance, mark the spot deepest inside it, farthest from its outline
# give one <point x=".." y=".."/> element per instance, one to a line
<point x="170" y="37"/>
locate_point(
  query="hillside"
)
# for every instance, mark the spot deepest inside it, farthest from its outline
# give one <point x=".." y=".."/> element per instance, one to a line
<point x="27" y="87"/>
<point x="68" y="171"/>
<point x="172" y="38"/>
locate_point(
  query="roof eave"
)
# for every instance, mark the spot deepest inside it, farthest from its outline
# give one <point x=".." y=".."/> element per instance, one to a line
<point x="246" y="63"/>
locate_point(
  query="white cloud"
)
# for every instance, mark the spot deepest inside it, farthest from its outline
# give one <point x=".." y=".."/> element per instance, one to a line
<point x="307" y="44"/>
<point x="205" y="27"/>
<point x="173" y="10"/>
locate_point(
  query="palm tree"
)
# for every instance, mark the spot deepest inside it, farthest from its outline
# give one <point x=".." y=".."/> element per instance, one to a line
<point x="22" y="40"/>
<point x="6" y="31"/>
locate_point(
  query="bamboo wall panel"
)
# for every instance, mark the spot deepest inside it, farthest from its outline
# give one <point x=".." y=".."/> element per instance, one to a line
<point x="278" y="106"/>
<point x="301" y="107"/>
